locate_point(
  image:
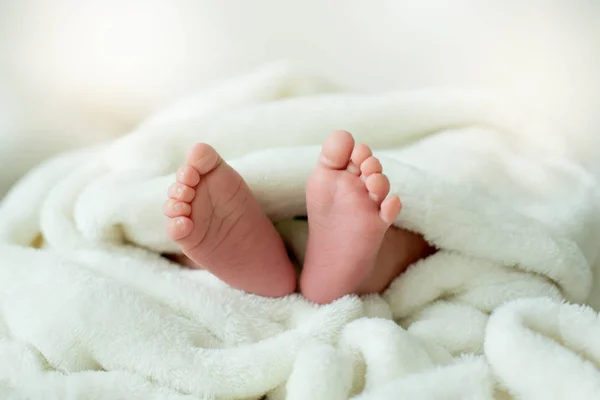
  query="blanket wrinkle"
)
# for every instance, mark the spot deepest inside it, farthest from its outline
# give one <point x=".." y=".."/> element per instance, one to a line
<point x="538" y="332"/>
<point x="91" y="309"/>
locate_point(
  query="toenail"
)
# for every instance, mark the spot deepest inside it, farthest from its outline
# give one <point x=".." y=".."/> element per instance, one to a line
<point x="373" y="197"/>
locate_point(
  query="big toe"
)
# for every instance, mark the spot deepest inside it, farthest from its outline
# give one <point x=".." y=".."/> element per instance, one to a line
<point x="336" y="150"/>
<point x="203" y="158"/>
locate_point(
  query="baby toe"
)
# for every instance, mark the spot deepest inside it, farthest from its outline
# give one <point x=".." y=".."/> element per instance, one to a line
<point x="178" y="191"/>
<point x="378" y="186"/>
<point x="371" y="166"/>
<point x="336" y="150"/>
<point x="390" y="209"/>
<point x="179" y="228"/>
<point x="360" y="153"/>
<point x="203" y="158"/>
<point x="173" y="208"/>
<point x="188" y="176"/>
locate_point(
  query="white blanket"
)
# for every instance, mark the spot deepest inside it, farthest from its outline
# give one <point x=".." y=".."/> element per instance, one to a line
<point x="90" y="310"/>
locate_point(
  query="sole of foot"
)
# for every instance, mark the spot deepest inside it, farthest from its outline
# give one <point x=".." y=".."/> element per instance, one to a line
<point x="348" y="215"/>
<point x="220" y="226"/>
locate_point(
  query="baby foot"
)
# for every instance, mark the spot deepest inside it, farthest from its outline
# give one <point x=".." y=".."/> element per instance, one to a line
<point x="348" y="216"/>
<point x="220" y="226"/>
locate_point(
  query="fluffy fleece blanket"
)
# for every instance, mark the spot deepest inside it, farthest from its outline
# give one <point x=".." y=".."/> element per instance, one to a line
<point x="91" y="310"/>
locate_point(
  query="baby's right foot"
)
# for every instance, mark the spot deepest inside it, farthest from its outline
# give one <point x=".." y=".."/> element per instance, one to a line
<point x="348" y="216"/>
<point x="221" y="227"/>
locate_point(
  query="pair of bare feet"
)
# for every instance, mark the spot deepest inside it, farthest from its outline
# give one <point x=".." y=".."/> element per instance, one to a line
<point x="352" y="248"/>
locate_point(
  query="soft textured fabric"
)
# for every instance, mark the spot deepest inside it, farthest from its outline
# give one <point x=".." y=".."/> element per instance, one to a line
<point x="90" y="310"/>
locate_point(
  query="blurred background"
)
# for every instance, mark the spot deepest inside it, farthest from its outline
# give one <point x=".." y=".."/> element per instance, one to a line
<point x="76" y="72"/>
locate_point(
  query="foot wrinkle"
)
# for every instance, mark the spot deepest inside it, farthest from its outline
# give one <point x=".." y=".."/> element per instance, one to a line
<point x="225" y="214"/>
<point x="235" y="195"/>
<point x="345" y="227"/>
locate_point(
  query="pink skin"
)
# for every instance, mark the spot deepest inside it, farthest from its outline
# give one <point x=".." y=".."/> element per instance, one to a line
<point x="348" y="215"/>
<point x="219" y="225"/>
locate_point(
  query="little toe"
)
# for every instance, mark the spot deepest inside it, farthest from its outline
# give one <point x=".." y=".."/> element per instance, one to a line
<point x="188" y="176"/>
<point x="203" y="158"/>
<point x="178" y="191"/>
<point x="390" y="208"/>
<point x="173" y="208"/>
<point x="371" y="166"/>
<point x="378" y="186"/>
<point x="360" y="154"/>
<point x="179" y="228"/>
<point x="336" y="150"/>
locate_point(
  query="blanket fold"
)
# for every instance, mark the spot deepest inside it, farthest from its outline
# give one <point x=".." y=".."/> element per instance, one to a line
<point x="90" y="309"/>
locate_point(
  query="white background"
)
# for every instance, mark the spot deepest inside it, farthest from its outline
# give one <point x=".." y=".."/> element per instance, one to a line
<point x="73" y="72"/>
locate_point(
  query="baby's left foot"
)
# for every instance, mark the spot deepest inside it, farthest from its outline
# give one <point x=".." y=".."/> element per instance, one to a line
<point x="348" y="216"/>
